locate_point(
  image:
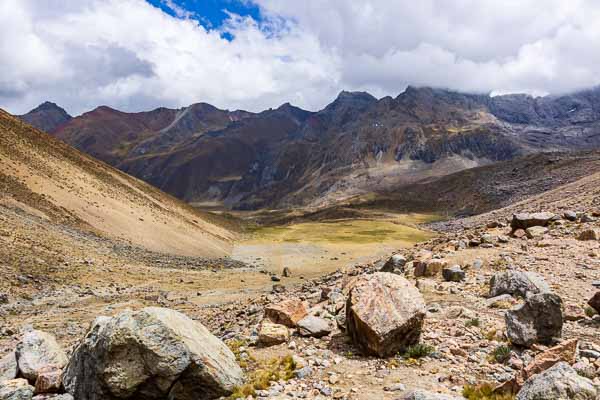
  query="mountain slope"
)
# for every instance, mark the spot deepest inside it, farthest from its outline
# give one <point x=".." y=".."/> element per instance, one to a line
<point x="43" y="177"/>
<point x="356" y="145"/>
<point x="46" y="117"/>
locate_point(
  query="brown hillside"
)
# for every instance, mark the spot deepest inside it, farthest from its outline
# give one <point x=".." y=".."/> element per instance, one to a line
<point x="43" y="177"/>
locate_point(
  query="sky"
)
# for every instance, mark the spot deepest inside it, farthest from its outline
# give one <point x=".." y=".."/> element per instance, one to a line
<point x="137" y="55"/>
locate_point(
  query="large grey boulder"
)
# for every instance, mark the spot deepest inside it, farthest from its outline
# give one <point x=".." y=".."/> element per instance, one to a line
<point x="38" y="351"/>
<point x="425" y="395"/>
<point x="559" y="382"/>
<point x="314" y="326"/>
<point x="8" y="367"/>
<point x="527" y="220"/>
<point x="384" y="313"/>
<point x="154" y="353"/>
<point x="16" y="389"/>
<point x="517" y="283"/>
<point x="395" y="264"/>
<point x="538" y="320"/>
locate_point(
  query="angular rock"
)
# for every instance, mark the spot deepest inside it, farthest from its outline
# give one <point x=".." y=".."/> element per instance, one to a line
<point x="565" y="352"/>
<point x="536" y="232"/>
<point x="560" y="382"/>
<point x="38" y="350"/>
<point x="49" y="380"/>
<point x="396" y="263"/>
<point x="526" y="220"/>
<point x="384" y="314"/>
<point x="314" y="327"/>
<point x="538" y="320"/>
<point x="286" y="272"/>
<point x="589" y="234"/>
<point x="518" y="283"/>
<point x="594" y="302"/>
<point x="453" y="274"/>
<point x="425" y="395"/>
<point x="16" y="389"/>
<point x="270" y="334"/>
<point x="8" y="367"/>
<point x="3" y="298"/>
<point x="153" y="353"/>
<point x="570" y="216"/>
<point x="430" y="267"/>
<point x="287" y="312"/>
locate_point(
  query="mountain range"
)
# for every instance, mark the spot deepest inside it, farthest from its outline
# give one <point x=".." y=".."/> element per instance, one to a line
<point x="356" y="145"/>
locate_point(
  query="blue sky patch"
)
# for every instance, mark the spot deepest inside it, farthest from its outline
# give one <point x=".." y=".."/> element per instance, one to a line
<point x="209" y="13"/>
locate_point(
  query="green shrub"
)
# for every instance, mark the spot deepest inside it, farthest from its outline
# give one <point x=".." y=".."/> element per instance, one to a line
<point x="501" y="354"/>
<point x="485" y="392"/>
<point x="418" y="350"/>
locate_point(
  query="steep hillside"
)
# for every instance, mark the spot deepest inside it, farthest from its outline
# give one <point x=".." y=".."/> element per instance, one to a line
<point x="354" y="146"/>
<point x="44" y="178"/>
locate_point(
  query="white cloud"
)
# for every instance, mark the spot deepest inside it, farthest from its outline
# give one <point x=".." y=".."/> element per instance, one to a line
<point x="130" y="55"/>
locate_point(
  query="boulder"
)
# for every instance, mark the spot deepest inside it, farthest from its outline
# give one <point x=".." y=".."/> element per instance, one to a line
<point x="526" y="220"/>
<point x="384" y="314"/>
<point x="8" y="367"/>
<point x="314" y="326"/>
<point x="395" y="264"/>
<point x="536" y="232"/>
<point x="517" y="283"/>
<point x="594" y="302"/>
<point x="589" y="234"/>
<point x="49" y="380"/>
<point x="538" y="320"/>
<point x="425" y="395"/>
<point x="430" y="267"/>
<point x="287" y="312"/>
<point x="153" y="353"/>
<point x="570" y="216"/>
<point x="559" y="382"/>
<point x="286" y="272"/>
<point x="270" y="334"/>
<point x="16" y="389"/>
<point x="38" y="350"/>
<point x="565" y="352"/>
<point x="453" y="274"/>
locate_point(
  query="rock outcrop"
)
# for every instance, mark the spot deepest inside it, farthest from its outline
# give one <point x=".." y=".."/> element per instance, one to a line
<point x="558" y="383"/>
<point x="154" y="353"/>
<point x="287" y="312"/>
<point x="37" y="351"/>
<point x="395" y="264"/>
<point x="526" y="220"/>
<point x="517" y="283"/>
<point x="384" y="314"/>
<point x="538" y="320"/>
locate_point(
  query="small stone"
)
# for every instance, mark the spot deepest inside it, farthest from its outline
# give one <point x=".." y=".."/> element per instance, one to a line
<point x="270" y="334"/>
<point x="453" y="274"/>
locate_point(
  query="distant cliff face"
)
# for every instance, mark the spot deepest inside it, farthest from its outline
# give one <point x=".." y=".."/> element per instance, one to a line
<point x="47" y="117"/>
<point x="356" y="144"/>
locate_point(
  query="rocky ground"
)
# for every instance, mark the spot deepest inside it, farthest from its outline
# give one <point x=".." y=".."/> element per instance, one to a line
<point x="485" y="303"/>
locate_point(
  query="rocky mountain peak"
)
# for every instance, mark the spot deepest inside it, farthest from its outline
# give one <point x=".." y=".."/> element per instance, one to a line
<point x="46" y="117"/>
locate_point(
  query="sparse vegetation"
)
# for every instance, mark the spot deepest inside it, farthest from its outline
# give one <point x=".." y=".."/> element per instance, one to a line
<point x="418" y="350"/>
<point x="473" y="322"/>
<point x="501" y="354"/>
<point x="590" y="312"/>
<point x="484" y="391"/>
<point x="261" y="374"/>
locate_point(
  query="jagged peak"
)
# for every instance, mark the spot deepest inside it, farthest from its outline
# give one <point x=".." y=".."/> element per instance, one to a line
<point x="49" y="106"/>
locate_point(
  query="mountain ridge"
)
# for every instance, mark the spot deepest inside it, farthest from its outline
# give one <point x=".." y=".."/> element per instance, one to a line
<point x="288" y="156"/>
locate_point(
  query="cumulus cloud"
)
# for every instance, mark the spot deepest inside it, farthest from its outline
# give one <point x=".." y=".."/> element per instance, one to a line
<point x="131" y="55"/>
